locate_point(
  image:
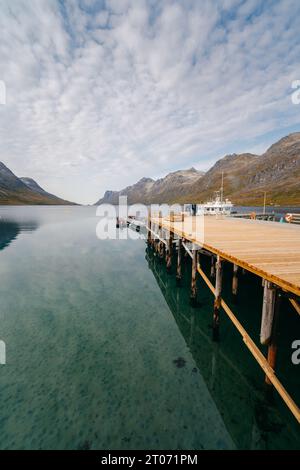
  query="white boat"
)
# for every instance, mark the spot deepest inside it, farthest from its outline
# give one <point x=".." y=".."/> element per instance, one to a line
<point x="216" y="206"/>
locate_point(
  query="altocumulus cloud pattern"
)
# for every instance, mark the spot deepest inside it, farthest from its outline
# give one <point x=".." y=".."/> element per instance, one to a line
<point x="110" y="91"/>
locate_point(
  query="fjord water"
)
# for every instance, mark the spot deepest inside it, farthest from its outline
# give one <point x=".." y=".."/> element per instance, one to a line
<point x="104" y="352"/>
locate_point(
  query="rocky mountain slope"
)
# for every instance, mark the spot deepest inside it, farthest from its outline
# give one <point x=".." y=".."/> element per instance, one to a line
<point x="14" y="190"/>
<point x="246" y="178"/>
<point x="148" y="191"/>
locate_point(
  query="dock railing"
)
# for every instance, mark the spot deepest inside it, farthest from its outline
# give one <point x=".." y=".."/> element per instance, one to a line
<point x="255" y="216"/>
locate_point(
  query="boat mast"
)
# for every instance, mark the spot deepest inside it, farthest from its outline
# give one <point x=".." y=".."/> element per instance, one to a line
<point x="222" y="187"/>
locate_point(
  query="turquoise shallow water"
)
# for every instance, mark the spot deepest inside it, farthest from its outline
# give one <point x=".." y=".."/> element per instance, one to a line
<point x="104" y="352"/>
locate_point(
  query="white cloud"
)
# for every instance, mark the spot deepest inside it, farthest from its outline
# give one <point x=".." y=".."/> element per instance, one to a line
<point x="99" y="97"/>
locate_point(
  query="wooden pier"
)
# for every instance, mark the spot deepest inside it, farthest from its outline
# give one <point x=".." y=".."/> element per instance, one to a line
<point x="269" y="250"/>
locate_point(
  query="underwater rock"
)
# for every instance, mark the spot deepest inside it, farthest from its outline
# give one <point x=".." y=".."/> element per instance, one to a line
<point x="180" y="362"/>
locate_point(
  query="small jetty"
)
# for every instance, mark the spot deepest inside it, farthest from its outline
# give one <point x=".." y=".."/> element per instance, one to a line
<point x="269" y="250"/>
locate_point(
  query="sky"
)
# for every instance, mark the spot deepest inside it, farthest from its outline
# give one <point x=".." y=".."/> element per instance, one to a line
<point x="100" y="93"/>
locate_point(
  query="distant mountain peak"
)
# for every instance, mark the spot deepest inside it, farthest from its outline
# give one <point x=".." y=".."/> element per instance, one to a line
<point x="230" y="155"/>
<point x="287" y="141"/>
<point x="146" y="180"/>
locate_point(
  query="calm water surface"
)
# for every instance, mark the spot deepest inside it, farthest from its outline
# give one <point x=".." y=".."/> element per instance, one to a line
<point x="104" y="352"/>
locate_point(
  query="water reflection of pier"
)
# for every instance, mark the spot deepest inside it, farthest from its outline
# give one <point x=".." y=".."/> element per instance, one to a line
<point x="249" y="417"/>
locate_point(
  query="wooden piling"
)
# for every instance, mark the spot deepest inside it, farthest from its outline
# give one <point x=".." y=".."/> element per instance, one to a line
<point x="156" y="240"/>
<point x="159" y="218"/>
<point x="149" y="227"/>
<point x="273" y="342"/>
<point x="179" y="260"/>
<point x="235" y="280"/>
<point x="268" y="309"/>
<point x="193" y="297"/>
<point x="162" y="250"/>
<point x="157" y="243"/>
<point x="159" y="232"/>
<point x="169" y="252"/>
<point x="213" y="267"/>
<point x="217" y="301"/>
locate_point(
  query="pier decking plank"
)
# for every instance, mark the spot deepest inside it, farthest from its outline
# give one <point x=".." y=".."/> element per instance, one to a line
<point x="269" y="249"/>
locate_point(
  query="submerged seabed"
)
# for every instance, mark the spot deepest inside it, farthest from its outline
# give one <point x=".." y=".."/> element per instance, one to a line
<point x="104" y="352"/>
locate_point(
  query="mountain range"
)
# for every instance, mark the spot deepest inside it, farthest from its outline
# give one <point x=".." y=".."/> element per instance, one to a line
<point x="174" y="186"/>
<point x="246" y="177"/>
<point x="19" y="191"/>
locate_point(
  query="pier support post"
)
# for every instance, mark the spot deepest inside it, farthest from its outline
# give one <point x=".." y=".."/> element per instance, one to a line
<point x="169" y="252"/>
<point x="149" y="227"/>
<point x="193" y="297"/>
<point x="217" y="302"/>
<point x="235" y="281"/>
<point x="268" y="310"/>
<point x="156" y="240"/>
<point x="273" y="342"/>
<point x="159" y="232"/>
<point x="153" y="236"/>
<point x="159" y="218"/>
<point x="213" y="267"/>
<point x="161" y="251"/>
<point x="179" y="259"/>
<point x="162" y="246"/>
<point x="185" y="253"/>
